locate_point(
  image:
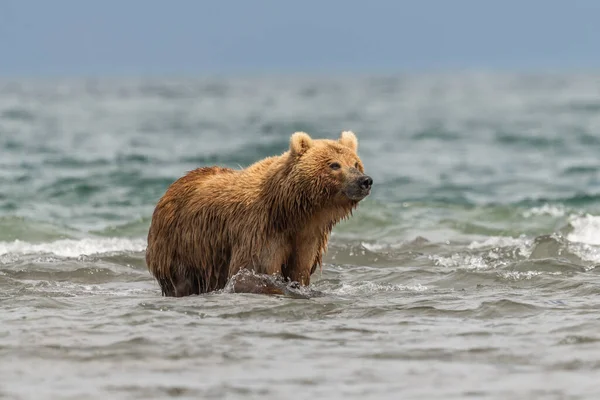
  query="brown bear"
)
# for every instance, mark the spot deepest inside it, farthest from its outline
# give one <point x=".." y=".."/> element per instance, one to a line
<point x="273" y="217"/>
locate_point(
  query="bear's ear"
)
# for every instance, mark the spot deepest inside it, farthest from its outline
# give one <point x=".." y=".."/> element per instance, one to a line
<point x="348" y="139"/>
<point x="299" y="143"/>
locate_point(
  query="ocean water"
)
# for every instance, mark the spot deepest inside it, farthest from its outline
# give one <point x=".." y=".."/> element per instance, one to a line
<point x="470" y="272"/>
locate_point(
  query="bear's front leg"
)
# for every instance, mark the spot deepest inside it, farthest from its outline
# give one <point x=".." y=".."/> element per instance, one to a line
<point x="303" y="261"/>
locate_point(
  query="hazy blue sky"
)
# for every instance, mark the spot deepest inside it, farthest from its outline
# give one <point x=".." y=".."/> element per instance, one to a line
<point x="131" y="37"/>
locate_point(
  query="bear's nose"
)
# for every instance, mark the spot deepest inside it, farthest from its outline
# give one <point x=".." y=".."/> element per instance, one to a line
<point x="365" y="182"/>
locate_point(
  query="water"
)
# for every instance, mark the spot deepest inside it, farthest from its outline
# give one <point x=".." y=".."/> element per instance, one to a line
<point x="471" y="270"/>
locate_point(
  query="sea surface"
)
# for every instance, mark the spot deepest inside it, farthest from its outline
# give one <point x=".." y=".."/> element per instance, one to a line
<point x="471" y="271"/>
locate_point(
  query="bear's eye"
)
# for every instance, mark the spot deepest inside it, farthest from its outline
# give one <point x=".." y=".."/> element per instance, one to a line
<point x="335" y="165"/>
<point x="356" y="165"/>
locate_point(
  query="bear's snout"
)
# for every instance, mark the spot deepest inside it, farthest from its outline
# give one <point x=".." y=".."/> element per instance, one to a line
<point x="359" y="187"/>
<point x="365" y="182"/>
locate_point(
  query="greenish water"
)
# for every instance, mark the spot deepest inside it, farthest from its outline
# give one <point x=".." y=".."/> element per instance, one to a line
<point x="471" y="270"/>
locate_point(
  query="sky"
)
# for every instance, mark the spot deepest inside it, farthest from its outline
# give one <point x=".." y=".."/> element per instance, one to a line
<point x="150" y="37"/>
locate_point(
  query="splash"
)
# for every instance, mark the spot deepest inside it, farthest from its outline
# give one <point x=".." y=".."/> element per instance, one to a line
<point x="586" y="229"/>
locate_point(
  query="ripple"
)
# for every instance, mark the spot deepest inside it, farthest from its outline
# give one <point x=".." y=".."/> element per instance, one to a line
<point x="575" y="339"/>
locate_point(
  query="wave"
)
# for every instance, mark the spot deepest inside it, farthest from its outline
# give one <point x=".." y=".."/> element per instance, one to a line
<point x="575" y="200"/>
<point x="130" y="236"/>
<point x="525" y="257"/>
<point x="74" y="248"/>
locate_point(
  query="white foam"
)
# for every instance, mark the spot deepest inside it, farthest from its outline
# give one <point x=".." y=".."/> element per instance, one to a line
<point x="546" y="209"/>
<point x="371" y="287"/>
<point x="499" y="241"/>
<point x="586" y="229"/>
<point x="375" y="247"/>
<point x="460" y="261"/>
<point x="586" y="252"/>
<point x="70" y="289"/>
<point x="527" y="275"/>
<point x="73" y="248"/>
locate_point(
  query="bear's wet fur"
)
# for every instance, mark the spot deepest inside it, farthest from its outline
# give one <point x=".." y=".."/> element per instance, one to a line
<point x="273" y="217"/>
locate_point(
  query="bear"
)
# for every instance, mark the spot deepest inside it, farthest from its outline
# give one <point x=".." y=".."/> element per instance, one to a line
<point x="272" y="218"/>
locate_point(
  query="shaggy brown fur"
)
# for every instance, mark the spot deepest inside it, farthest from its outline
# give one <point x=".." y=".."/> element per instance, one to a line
<point x="273" y="217"/>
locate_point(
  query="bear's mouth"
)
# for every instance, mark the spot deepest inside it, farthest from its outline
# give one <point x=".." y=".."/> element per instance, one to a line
<point x="357" y="194"/>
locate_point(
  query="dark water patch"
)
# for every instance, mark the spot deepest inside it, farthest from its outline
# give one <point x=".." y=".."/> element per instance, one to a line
<point x="8" y="206"/>
<point x="174" y="91"/>
<point x="577" y="340"/>
<point x="432" y="311"/>
<point x="578" y="200"/>
<point x="436" y="134"/>
<point x="583" y="366"/>
<point x="397" y="181"/>
<point x="356" y="254"/>
<point x="157" y="391"/>
<point x="467" y="280"/>
<point x="473" y="228"/>
<point x="134" y="159"/>
<point x="589" y="139"/>
<point x="17" y="114"/>
<point x="446" y="194"/>
<point x="446" y="197"/>
<point x="385" y="85"/>
<point x="288" y="311"/>
<point x="283" y="129"/>
<point x="240" y="158"/>
<point x="476" y="334"/>
<point x="82" y="275"/>
<point x="528" y="140"/>
<point x="585" y="107"/>
<point x="11" y="144"/>
<point x="576" y="328"/>
<point x="356" y="330"/>
<point x="581" y="170"/>
<point x="75" y="162"/>
<point x="32" y="306"/>
<point x="21" y="179"/>
<point x="284" y="336"/>
<point x="439" y="354"/>
<point x="72" y="189"/>
<point x="505" y="308"/>
<point x="139" y="348"/>
<point x="141" y="183"/>
<point x="203" y="160"/>
<point x="310" y="91"/>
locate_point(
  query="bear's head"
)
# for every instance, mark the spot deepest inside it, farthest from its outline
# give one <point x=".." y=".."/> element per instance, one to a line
<point x="331" y="167"/>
